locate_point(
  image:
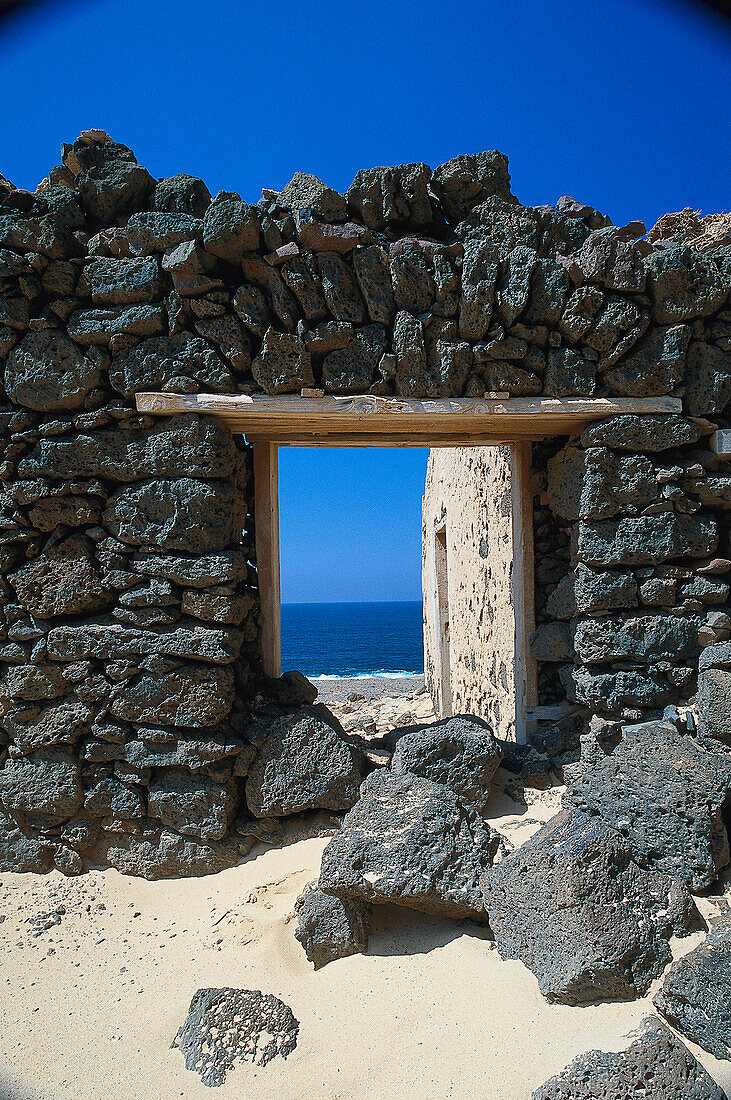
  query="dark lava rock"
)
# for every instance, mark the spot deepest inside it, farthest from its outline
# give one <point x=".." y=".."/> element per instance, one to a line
<point x="683" y="283"/>
<point x="602" y="591"/>
<point x="292" y="689"/>
<point x="108" y="641"/>
<point x="184" y="515"/>
<point x="479" y="275"/>
<point x="47" y="372"/>
<point x="696" y="994"/>
<point x="392" y="196"/>
<point x="283" y="364"/>
<point x="307" y="192"/>
<point x="460" y="753"/>
<point x="412" y="842"/>
<point x="153" y="231"/>
<point x="707" y="379"/>
<point x="60" y="724"/>
<point x="463" y="182"/>
<point x="374" y="279"/>
<point x="568" y="374"/>
<point x="115" y="190"/>
<point x="63" y="580"/>
<point x="612" y="691"/>
<point x="646" y="540"/>
<point x="97" y="326"/>
<point x="224" y="1026"/>
<point x="654" y="366"/>
<point x="411" y="367"/>
<point x="121" y="282"/>
<point x="656" y="1066"/>
<point x="638" y="638"/>
<point x="230" y="228"/>
<point x="198" y="571"/>
<point x="666" y="795"/>
<point x="164" y="855"/>
<point x="303" y="763"/>
<point x="20" y="853"/>
<point x="353" y="368"/>
<point x="641" y="433"/>
<point x="575" y="908"/>
<point x="191" y="696"/>
<point x="340" y="288"/>
<point x="181" y="194"/>
<point x="45" y="783"/>
<point x="330" y="928"/>
<point x="192" y="805"/>
<point x="714" y="704"/>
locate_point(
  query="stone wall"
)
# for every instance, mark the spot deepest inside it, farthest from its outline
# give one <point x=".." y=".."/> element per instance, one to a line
<point x="132" y="732"/>
<point x="468" y="492"/>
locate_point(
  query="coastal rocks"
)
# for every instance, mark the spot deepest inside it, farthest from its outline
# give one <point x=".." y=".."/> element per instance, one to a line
<point x="411" y="842"/>
<point x="46" y="371"/>
<point x="696" y="994"/>
<point x="330" y="928"/>
<point x="656" y="1066"/>
<point x="225" y="1026"/>
<point x="461" y="753"/>
<point x="666" y="795"/>
<point x="164" y="854"/>
<point x="303" y="763"/>
<point x="182" y="515"/>
<point x="572" y="905"/>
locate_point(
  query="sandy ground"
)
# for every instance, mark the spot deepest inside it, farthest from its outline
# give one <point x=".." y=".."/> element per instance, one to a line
<point x="92" y="1004"/>
<point x="370" y="687"/>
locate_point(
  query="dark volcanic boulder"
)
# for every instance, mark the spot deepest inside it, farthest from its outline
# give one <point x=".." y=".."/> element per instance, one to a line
<point x="182" y="363"/>
<point x="181" y="194"/>
<point x="164" y="855"/>
<point x="467" y="180"/>
<point x="683" y="283"/>
<point x="656" y="1066"/>
<point x="63" y="580"/>
<point x="412" y="842"/>
<point x="303" y="763"/>
<point x="283" y="364"/>
<point x="21" y="853"/>
<point x="307" y="192"/>
<point x="185" y="514"/>
<point x="192" y="805"/>
<point x="330" y="928"/>
<point x="47" y="371"/>
<point x="224" y="1026"/>
<point x="641" y="433"/>
<point x="45" y="783"/>
<point x="392" y="196"/>
<point x="666" y="794"/>
<point x="195" y="695"/>
<point x="696" y="994"/>
<point x="460" y="753"/>
<point x="573" y="906"/>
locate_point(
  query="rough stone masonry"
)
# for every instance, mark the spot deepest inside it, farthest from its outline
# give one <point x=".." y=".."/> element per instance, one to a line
<point x="137" y="728"/>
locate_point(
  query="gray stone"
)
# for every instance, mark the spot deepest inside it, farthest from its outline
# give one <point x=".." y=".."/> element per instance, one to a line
<point x="352" y="369"/>
<point x="714" y="703"/>
<point x="181" y="362"/>
<point x="613" y="691"/>
<point x="192" y="805"/>
<point x="460" y="752"/>
<point x="646" y="540"/>
<point x="175" y="748"/>
<point x="303" y="763"/>
<point x="611" y="262"/>
<point x="194" y="271"/>
<point x="683" y="283"/>
<point x="181" y="515"/>
<point x="568" y="374"/>
<point x="707" y="379"/>
<point x="579" y="312"/>
<point x="713" y="492"/>
<point x="202" y="446"/>
<point x="656" y="1066"/>
<point x="411" y="842"/>
<point x="199" y="571"/>
<point x="616" y="484"/>
<point x="603" y="591"/>
<point x="330" y="928"/>
<point x="465" y="181"/>
<point x="164" y="855"/>
<point x="225" y="1026"/>
<point x="45" y="783"/>
<point x="33" y="682"/>
<point x="230" y="337"/>
<point x="644" y="639"/>
<point x="230" y="228"/>
<point x="300" y="275"/>
<point x="19" y="853"/>
<point x="665" y="793"/>
<point x="572" y="905"/>
<point x="98" y="326"/>
<point x="374" y="279"/>
<point x="696" y="994"/>
<point x="411" y="277"/>
<point x="617" y="326"/>
<point x="552" y="642"/>
<point x="109" y="641"/>
<point x="60" y="724"/>
<point x="283" y="302"/>
<point x="152" y="231"/>
<point x="479" y="275"/>
<point x="654" y="366"/>
<point x="566" y="473"/>
<point x="47" y="372"/>
<point x="307" y="192"/>
<point x="392" y="196"/>
<point x="642" y="433"/>
<point x="319" y="236"/>
<point x="251" y="306"/>
<point x="108" y="797"/>
<point x="181" y="194"/>
<point x="340" y="288"/>
<point x="114" y="190"/>
<point x="514" y="283"/>
<point x="63" y="580"/>
<point x="283" y="364"/>
<point x="411" y="365"/>
<point x="561" y="604"/>
<point x="216" y="607"/>
<point x="192" y="696"/>
<point x="549" y="288"/>
<point x="121" y="282"/>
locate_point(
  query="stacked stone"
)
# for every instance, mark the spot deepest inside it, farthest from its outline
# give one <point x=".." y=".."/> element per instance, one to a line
<point x="128" y="597"/>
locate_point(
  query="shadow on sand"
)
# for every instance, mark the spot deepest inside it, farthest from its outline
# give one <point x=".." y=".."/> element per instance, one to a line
<point x="396" y="930"/>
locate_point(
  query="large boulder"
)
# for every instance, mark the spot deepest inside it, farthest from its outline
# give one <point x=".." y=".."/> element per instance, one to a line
<point x="303" y="763"/>
<point x="646" y="540"/>
<point x="641" y="433"/>
<point x="307" y="192"/>
<point x="330" y="928"/>
<point x="575" y="908"/>
<point x="397" y="196"/>
<point x="643" y="639"/>
<point x="181" y="194"/>
<point x="283" y="363"/>
<point x="696" y="994"/>
<point x="683" y="283"/>
<point x="46" y="371"/>
<point x="411" y="842"/>
<point x="655" y="1066"/>
<point x="665" y="793"/>
<point x="460" y="753"/>
<point x="465" y="181"/>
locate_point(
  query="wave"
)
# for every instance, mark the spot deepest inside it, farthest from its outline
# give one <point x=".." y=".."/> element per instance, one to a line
<point x="378" y="674"/>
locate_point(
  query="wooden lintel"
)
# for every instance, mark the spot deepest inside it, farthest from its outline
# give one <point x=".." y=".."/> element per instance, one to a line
<point x="721" y="441"/>
<point x="469" y="420"/>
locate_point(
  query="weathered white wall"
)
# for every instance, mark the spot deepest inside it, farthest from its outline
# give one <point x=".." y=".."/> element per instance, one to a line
<point x="468" y="491"/>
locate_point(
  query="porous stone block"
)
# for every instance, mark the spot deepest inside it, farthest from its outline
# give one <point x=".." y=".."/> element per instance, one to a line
<point x="331" y="928"/>
<point x="460" y="752"/>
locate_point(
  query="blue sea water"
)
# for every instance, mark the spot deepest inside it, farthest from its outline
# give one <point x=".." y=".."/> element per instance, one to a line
<point x="352" y="639"/>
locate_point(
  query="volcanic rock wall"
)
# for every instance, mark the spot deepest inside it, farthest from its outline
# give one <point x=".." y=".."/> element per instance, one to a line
<point x="128" y="630"/>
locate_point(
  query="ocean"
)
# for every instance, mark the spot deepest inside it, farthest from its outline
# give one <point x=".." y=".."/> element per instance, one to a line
<point x="331" y="640"/>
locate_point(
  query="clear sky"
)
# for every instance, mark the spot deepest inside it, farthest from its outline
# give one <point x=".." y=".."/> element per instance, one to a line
<point x="622" y="103"/>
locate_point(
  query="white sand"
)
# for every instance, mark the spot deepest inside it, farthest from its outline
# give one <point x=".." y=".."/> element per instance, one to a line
<point x="431" y="1012"/>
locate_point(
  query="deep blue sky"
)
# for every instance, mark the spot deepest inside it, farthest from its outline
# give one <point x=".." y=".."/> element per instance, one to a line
<point x="621" y="103"/>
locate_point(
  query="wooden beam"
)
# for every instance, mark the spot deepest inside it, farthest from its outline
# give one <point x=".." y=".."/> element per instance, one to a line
<point x="266" y="527"/>
<point x="523" y="585"/>
<point x="721" y="441"/>
<point x="283" y="417"/>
